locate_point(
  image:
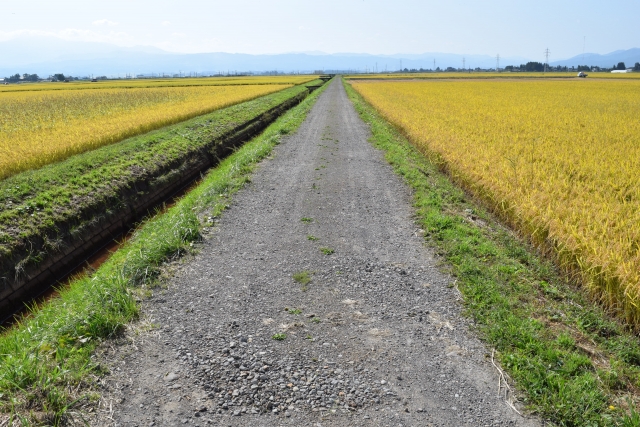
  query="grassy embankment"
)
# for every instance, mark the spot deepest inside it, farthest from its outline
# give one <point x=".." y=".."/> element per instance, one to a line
<point x="46" y="365"/>
<point x="573" y="363"/>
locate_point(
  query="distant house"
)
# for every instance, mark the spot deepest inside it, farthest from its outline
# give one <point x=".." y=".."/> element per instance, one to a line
<point x="628" y="70"/>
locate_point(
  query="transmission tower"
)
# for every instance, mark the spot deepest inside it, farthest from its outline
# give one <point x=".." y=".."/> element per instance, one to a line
<point x="434" y="64"/>
<point x="463" y="63"/>
<point x="546" y="56"/>
<point x="498" y="63"/>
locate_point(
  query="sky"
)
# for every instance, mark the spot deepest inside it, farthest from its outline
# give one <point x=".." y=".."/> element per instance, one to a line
<point x="505" y="27"/>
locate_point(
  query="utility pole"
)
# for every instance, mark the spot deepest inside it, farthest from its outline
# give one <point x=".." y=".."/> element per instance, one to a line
<point x="401" y="65"/>
<point x="463" y="63"/>
<point x="546" y="56"/>
<point x="498" y="63"/>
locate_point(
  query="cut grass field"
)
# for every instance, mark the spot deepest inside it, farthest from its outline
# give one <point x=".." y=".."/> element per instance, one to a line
<point x="563" y="175"/>
<point x="571" y="362"/>
<point x="46" y="368"/>
<point x="43" y="127"/>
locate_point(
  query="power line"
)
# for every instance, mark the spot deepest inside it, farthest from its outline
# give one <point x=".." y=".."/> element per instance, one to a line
<point x="546" y="55"/>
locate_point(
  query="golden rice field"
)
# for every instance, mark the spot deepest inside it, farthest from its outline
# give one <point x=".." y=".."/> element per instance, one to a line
<point x="147" y="83"/>
<point x="559" y="160"/>
<point x="42" y="127"/>
<point x="488" y="75"/>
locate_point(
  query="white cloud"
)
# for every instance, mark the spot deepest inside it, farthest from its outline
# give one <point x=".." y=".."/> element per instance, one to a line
<point x="166" y="23"/>
<point x="105" y="22"/>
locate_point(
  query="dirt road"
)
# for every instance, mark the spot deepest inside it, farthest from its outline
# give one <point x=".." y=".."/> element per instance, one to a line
<point x="375" y="338"/>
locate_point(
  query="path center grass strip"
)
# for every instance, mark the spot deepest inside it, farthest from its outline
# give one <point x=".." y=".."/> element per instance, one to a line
<point x="45" y="361"/>
<point x="571" y="363"/>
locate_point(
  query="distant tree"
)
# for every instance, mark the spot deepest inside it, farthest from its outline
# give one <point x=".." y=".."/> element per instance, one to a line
<point x="30" y="77"/>
<point x="636" y="67"/>
<point x="509" y="68"/>
<point x="534" y="66"/>
<point x="13" y="79"/>
<point x="584" y="68"/>
<point x="59" y="77"/>
<point x="621" y="66"/>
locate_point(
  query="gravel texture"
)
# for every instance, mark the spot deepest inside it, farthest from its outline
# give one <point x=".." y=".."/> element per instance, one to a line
<point x="375" y="338"/>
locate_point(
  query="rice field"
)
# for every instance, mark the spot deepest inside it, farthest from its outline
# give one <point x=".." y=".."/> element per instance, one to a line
<point x="494" y="75"/>
<point x="151" y="83"/>
<point x="557" y="159"/>
<point x="39" y="127"/>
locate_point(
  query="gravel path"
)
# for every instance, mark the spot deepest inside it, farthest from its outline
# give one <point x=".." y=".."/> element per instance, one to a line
<point x="375" y="338"/>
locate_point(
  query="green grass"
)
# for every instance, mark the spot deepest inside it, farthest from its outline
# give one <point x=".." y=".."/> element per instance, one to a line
<point x="295" y="311"/>
<point x="572" y="363"/>
<point x="327" y="251"/>
<point x="279" y="337"/>
<point x="45" y="360"/>
<point x="312" y="238"/>
<point x="306" y="220"/>
<point x="302" y="277"/>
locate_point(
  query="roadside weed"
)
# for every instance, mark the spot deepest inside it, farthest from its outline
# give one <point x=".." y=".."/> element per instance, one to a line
<point x="327" y="251"/>
<point x="302" y="277"/>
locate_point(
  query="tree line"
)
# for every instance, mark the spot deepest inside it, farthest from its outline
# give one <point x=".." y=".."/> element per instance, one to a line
<point x="58" y="77"/>
<point x="539" y="66"/>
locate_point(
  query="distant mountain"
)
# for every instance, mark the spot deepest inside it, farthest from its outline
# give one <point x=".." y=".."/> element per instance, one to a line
<point x="629" y="57"/>
<point x="45" y="56"/>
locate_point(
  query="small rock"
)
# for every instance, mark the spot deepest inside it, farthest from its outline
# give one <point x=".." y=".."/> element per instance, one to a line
<point x="171" y="376"/>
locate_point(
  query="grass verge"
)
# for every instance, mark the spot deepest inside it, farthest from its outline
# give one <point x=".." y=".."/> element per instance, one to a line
<point x="572" y="363"/>
<point x="46" y="361"/>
